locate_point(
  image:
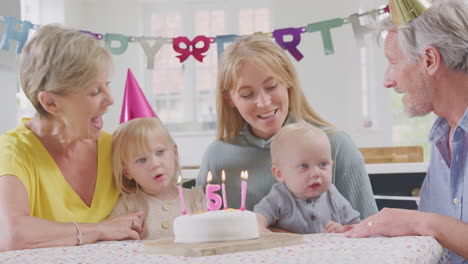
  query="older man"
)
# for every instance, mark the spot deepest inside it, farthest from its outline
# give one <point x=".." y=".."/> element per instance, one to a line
<point x="427" y="54"/>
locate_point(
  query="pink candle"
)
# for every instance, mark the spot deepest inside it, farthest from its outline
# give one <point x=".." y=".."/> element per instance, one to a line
<point x="181" y="195"/>
<point x="223" y="190"/>
<point x="213" y="200"/>
<point x="244" y="177"/>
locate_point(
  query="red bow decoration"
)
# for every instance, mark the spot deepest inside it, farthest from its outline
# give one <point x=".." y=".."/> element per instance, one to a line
<point x="191" y="48"/>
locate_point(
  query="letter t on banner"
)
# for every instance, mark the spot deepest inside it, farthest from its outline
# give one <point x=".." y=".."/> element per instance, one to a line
<point x="290" y="46"/>
<point x="324" y="27"/>
<point x="11" y="34"/>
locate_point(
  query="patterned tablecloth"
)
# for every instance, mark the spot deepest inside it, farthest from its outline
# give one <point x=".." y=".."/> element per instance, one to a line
<point x="317" y="248"/>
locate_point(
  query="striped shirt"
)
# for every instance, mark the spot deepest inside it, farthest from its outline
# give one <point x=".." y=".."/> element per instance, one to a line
<point x="445" y="186"/>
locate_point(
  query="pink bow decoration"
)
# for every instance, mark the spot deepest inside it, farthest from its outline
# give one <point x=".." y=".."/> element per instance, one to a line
<point x="386" y="9"/>
<point x="191" y="48"/>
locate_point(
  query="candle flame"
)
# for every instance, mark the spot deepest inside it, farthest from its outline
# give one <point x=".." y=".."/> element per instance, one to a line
<point x="244" y="175"/>
<point x="209" y="177"/>
<point x="179" y="180"/>
<point x="223" y="176"/>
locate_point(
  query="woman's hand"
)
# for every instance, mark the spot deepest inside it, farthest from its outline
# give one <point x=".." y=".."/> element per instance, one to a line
<point x="388" y="222"/>
<point x="121" y="227"/>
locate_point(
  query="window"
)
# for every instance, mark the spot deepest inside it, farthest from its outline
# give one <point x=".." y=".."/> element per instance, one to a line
<point x="183" y="94"/>
<point x="410" y="131"/>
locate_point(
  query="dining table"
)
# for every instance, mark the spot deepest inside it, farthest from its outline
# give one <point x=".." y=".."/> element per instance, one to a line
<point x="316" y="248"/>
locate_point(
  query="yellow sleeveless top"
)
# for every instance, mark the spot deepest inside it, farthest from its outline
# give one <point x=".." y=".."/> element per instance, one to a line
<point x="50" y="196"/>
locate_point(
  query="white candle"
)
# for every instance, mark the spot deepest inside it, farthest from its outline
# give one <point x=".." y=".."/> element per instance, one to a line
<point x="223" y="190"/>
<point x="244" y="177"/>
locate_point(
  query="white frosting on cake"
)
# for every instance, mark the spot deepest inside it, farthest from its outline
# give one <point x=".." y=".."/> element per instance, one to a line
<point x="216" y="226"/>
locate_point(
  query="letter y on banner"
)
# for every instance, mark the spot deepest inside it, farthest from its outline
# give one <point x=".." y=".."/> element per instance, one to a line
<point x="150" y="52"/>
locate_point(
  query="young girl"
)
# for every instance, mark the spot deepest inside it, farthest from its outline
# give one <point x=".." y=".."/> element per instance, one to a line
<point x="146" y="166"/>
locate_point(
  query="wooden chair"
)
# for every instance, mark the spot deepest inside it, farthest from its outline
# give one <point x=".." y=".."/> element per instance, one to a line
<point x="393" y="154"/>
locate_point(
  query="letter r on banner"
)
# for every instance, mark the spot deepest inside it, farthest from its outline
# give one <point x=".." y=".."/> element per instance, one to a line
<point x="290" y="46"/>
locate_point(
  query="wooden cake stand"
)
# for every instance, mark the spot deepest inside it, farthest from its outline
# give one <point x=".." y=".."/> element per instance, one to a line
<point x="166" y="246"/>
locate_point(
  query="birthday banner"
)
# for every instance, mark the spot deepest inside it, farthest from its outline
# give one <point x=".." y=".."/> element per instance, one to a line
<point x="117" y="43"/>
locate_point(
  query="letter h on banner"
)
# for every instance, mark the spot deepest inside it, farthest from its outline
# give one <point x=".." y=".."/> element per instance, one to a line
<point x="11" y="34"/>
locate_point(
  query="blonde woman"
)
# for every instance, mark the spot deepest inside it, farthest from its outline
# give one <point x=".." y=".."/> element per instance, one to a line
<point x="258" y="92"/>
<point x="146" y="166"/>
<point x="56" y="185"/>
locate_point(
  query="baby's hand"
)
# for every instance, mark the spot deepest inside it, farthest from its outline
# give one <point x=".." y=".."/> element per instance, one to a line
<point x="334" y="227"/>
<point x="262" y="224"/>
<point x="262" y="230"/>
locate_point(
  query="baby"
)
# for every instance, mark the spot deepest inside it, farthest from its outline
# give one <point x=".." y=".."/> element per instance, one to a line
<point x="146" y="163"/>
<point x="304" y="200"/>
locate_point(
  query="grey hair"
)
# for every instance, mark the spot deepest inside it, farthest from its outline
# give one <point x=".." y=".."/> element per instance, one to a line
<point x="444" y="25"/>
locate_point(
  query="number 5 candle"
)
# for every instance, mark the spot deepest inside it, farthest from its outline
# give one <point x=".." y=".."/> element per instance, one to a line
<point x="244" y="177"/>
<point x="213" y="200"/>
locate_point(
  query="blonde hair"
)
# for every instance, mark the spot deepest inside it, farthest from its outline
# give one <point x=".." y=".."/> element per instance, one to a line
<point x="134" y="135"/>
<point x="60" y="60"/>
<point x="293" y="130"/>
<point x="268" y="55"/>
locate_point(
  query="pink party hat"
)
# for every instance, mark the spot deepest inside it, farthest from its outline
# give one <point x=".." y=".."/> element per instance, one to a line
<point x="134" y="103"/>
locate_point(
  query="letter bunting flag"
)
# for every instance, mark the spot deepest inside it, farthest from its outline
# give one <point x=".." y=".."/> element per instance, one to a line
<point x="18" y="31"/>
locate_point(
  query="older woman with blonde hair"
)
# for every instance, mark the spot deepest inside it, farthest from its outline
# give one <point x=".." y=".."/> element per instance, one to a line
<point x="258" y="92"/>
<point x="56" y="184"/>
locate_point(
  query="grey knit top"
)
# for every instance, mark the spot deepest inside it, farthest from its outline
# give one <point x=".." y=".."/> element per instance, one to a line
<point x="248" y="152"/>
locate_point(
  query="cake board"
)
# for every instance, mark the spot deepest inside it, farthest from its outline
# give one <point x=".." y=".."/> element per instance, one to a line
<point x="166" y="246"/>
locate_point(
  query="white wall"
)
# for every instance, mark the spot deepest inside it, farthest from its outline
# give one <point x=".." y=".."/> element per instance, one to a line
<point x="332" y="83"/>
<point x="8" y="71"/>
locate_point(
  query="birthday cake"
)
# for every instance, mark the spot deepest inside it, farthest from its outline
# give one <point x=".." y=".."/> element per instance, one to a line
<point x="216" y="226"/>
